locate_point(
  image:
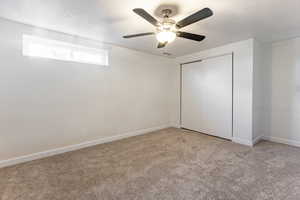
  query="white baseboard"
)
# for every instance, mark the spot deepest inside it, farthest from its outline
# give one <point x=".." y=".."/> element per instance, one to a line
<point x="247" y="142"/>
<point x="257" y="139"/>
<point x="174" y="125"/>
<point x="282" y="140"/>
<point x="242" y="141"/>
<point x="44" y="154"/>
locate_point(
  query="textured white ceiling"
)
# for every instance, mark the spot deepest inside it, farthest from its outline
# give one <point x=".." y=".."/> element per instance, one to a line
<point x="108" y="20"/>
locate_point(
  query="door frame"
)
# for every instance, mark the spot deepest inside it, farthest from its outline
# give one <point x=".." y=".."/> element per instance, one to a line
<point x="232" y="89"/>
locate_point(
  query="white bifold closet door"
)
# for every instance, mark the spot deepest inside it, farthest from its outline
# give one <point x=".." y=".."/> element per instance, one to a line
<point x="206" y="96"/>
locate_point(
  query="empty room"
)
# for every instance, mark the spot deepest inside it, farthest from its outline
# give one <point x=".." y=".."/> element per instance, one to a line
<point x="149" y="100"/>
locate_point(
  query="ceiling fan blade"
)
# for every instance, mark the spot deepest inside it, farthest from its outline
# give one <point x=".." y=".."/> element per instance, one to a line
<point x="138" y="35"/>
<point x="201" y="14"/>
<point x="162" y="44"/>
<point x="141" y="12"/>
<point x="190" y="36"/>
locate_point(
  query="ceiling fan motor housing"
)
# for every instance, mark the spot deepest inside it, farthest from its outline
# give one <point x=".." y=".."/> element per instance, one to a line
<point x="167" y="24"/>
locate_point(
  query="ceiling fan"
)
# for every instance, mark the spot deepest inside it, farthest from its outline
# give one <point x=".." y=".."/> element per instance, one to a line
<point x="168" y="29"/>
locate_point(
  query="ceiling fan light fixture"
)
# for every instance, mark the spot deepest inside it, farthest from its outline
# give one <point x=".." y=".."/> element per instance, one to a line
<point x="165" y="36"/>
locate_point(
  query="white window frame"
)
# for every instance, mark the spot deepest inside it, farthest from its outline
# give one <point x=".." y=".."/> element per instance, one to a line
<point x="34" y="46"/>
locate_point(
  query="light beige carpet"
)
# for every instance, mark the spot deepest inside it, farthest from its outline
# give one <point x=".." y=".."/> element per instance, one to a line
<point x="167" y="164"/>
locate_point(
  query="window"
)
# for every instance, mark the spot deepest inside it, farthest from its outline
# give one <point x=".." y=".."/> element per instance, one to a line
<point x="45" y="48"/>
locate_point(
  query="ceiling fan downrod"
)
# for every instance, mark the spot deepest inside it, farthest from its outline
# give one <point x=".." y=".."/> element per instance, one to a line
<point x="166" y="13"/>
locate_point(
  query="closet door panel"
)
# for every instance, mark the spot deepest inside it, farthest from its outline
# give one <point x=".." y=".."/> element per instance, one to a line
<point x="206" y="99"/>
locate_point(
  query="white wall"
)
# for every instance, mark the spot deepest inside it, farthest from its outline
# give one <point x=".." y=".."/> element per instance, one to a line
<point x="47" y="104"/>
<point x="285" y="93"/>
<point x="261" y="88"/>
<point x="243" y="86"/>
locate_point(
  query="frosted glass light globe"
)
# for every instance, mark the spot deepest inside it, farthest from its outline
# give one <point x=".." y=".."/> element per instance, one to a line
<point x="166" y="36"/>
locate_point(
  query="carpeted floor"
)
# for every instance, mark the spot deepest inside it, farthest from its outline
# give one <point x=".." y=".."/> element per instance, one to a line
<point x="167" y="164"/>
